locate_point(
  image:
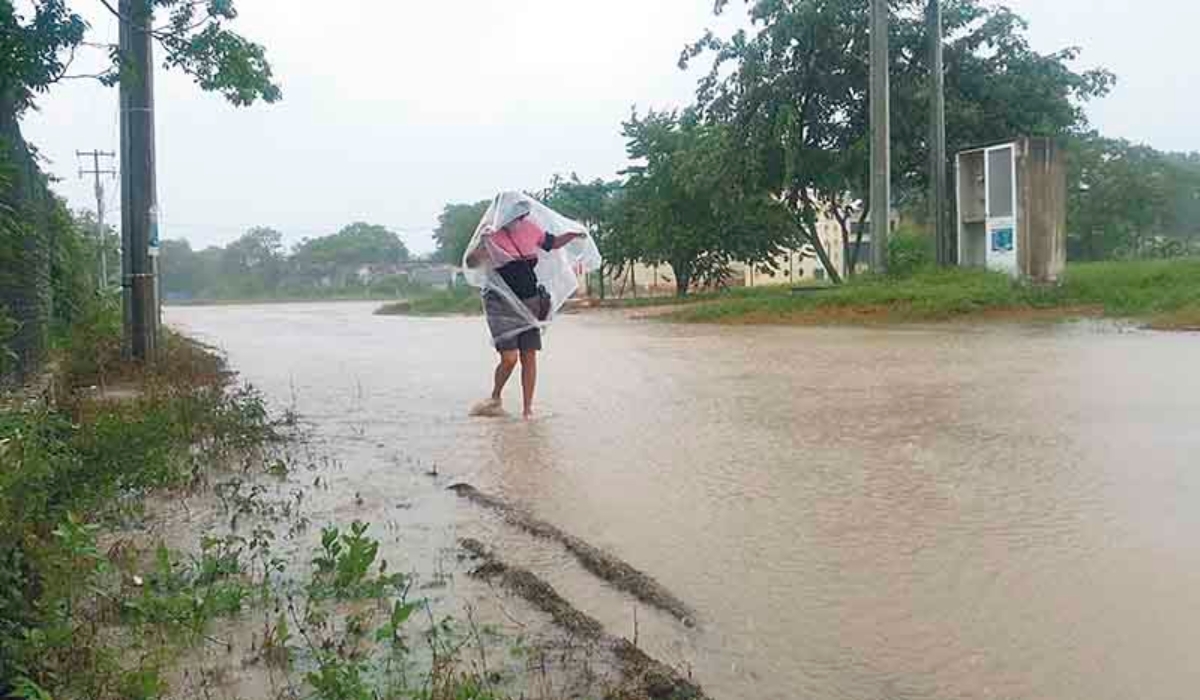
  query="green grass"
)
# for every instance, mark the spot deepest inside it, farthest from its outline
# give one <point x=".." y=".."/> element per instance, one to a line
<point x="1151" y="291"/>
<point x="73" y="467"/>
<point x="94" y="605"/>
<point x="457" y="301"/>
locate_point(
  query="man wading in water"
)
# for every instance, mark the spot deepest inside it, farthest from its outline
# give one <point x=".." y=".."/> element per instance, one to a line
<point x="504" y="255"/>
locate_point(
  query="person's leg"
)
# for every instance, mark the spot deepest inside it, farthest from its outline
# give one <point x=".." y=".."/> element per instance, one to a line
<point x="504" y="370"/>
<point x="530" y="344"/>
<point x="528" y="378"/>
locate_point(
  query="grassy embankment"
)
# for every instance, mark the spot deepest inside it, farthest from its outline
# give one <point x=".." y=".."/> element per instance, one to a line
<point x="451" y="302"/>
<point x="93" y="605"/>
<point x="1162" y="294"/>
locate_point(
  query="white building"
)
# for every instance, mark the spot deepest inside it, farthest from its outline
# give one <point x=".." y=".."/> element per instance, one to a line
<point x="790" y="267"/>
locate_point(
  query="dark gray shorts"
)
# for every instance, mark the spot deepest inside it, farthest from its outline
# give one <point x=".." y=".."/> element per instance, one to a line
<point x="502" y="320"/>
<point x="529" y="340"/>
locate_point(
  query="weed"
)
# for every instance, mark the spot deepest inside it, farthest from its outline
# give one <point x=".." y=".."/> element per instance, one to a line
<point x="339" y="678"/>
<point x="277" y="640"/>
<point x="75" y="621"/>
<point x="343" y="565"/>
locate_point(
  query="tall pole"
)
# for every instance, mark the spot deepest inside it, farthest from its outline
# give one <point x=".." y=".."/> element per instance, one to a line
<point x="881" y="156"/>
<point x="139" y="211"/>
<point x="101" y="232"/>
<point x="938" y="190"/>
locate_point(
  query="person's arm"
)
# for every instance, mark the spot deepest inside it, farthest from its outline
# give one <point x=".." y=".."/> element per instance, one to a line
<point x="553" y="242"/>
<point x="476" y="257"/>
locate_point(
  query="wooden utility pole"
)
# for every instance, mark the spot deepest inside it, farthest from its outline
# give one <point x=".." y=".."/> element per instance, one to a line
<point x="101" y="232"/>
<point x="938" y="190"/>
<point x="881" y="155"/>
<point x="139" y="201"/>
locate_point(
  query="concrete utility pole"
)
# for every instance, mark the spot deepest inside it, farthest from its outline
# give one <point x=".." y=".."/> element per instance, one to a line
<point x="881" y="154"/>
<point x="938" y="190"/>
<point x="101" y="232"/>
<point x="139" y="200"/>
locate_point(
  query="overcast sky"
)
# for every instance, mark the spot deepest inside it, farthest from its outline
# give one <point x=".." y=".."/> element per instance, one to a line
<point x="394" y="107"/>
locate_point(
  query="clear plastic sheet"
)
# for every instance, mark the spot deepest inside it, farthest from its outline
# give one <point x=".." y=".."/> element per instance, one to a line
<point x="514" y="229"/>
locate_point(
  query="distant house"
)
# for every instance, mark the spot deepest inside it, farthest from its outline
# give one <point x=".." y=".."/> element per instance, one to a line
<point x="438" y="276"/>
<point x="428" y="274"/>
<point x="788" y="268"/>
<point x="801" y="266"/>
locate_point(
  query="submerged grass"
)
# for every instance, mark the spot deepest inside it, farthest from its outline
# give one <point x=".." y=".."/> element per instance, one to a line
<point x="75" y="619"/>
<point x="1164" y="293"/>
<point x="93" y="607"/>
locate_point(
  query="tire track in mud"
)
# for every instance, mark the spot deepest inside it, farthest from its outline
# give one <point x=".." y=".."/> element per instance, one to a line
<point x="645" y="678"/>
<point x="605" y="566"/>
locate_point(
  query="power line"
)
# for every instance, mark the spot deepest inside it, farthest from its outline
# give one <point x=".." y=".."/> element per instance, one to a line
<point x="101" y="232"/>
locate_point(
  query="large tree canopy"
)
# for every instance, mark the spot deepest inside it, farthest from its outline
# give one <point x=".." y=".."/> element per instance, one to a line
<point x="686" y="204"/>
<point x="456" y="225"/>
<point x="594" y="204"/>
<point x="256" y="266"/>
<point x="795" y="90"/>
<point x="1130" y="200"/>
<point x="38" y="47"/>
<point x="590" y="203"/>
<point x="357" y="244"/>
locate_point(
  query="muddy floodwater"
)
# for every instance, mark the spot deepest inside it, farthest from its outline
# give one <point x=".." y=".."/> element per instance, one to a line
<point x="936" y="513"/>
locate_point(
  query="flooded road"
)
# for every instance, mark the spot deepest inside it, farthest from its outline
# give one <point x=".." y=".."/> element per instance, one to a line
<point x="1003" y="512"/>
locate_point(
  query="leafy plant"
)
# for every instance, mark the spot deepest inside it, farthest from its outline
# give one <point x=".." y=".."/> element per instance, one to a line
<point x="390" y="632"/>
<point x="343" y="565"/>
<point x="220" y="558"/>
<point x="339" y="678"/>
<point x="8" y="329"/>
<point x="910" y="252"/>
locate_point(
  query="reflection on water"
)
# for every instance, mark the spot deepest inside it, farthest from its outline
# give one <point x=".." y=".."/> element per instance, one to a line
<point x="1006" y="512"/>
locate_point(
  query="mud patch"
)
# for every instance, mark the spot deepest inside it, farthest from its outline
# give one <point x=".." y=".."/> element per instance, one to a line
<point x="614" y="571"/>
<point x="643" y="677"/>
<point x="1184" y="320"/>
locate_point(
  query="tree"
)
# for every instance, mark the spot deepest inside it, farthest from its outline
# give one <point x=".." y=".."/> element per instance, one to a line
<point x="85" y="222"/>
<point x="38" y="43"/>
<point x="1124" y="197"/>
<point x="685" y="205"/>
<point x="253" y="264"/>
<point x="38" y="50"/>
<point x="355" y="245"/>
<point x="795" y="91"/>
<point x="593" y="204"/>
<point x="456" y="226"/>
<point x="183" y="270"/>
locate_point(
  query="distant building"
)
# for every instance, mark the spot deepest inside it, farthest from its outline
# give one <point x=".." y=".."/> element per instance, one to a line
<point x="803" y="266"/>
<point x="435" y="275"/>
<point x="642" y="280"/>
<point x="789" y="268"/>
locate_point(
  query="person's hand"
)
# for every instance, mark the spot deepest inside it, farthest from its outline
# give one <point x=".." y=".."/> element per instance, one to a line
<point x="475" y="257"/>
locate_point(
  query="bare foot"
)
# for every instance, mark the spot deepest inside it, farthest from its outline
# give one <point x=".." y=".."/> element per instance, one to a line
<point x="528" y="414"/>
<point x="489" y="408"/>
